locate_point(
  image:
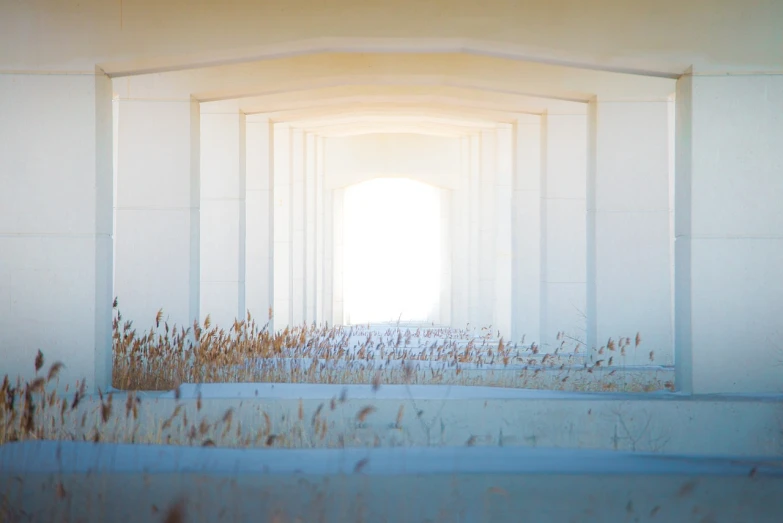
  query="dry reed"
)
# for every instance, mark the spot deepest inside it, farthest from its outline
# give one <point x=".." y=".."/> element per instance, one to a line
<point x="166" y="356"/>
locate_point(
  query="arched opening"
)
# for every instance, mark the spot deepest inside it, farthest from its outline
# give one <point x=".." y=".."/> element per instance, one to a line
<point x="392" y="251"/>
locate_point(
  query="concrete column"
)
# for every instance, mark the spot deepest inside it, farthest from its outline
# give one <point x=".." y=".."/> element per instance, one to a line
<point x="503" y="235"/>
<point x="488" y="229"/>
<point x="157" y="213"/>
<point x="460" y="234"/>
<point x="443" y="316"/>
<point x="320" y="230"/>
<point x="338" y="310"/>
<point x="474" y="308"/>
<point x="298" y="241"/>
<point x="563" y="228"/>
<point x="56" y="225"/>
<point x="328" y="263"/>
<point x="282" y="288"/>
<point x="259" y="278"/>
<point x="729" y="233"/>
<point x="223" y="220"/>
<point x="526" y="244"/>
<point x="628" y="237"/>
<point x="311" y="240"/>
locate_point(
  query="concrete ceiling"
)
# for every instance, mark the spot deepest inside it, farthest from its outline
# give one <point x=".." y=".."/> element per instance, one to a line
<point x="381" y="121"/>
<point x="356" y="128"/>
<point x="405" y="94"/>
<point x="483" y="73"/>
<point x="663" y="37"/>
<point x="392" y="109"/>
<point x="333" y="67"/>
<point x="335" y="86"/>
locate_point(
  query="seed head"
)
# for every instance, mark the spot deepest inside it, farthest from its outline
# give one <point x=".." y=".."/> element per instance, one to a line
<point x="39" y="361"/>
<point x="366" y="411"/>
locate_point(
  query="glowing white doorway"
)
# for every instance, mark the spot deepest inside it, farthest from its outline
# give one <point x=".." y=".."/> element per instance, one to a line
<point x="392" y="251"/>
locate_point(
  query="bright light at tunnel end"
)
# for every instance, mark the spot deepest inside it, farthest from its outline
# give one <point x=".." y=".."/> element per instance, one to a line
<point x="392" y="251"/>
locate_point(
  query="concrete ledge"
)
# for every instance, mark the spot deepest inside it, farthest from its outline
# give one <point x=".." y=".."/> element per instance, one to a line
<point x="281" y="391"/>
<point x="48" y="481"/>
<point x="314" y="416"/>
<point x="86" y="457"/>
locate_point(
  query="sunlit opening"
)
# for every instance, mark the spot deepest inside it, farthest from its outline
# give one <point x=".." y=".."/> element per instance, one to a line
<point x="392" y="251"/>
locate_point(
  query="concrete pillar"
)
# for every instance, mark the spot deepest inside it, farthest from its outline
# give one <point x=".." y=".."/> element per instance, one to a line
<point x="223" y="220"/>
<point x="488" y="229"/>
<point x="282" y="288"/>
<point x="563" y="228"/>
<point x="443" y="316"/>
<point x="320" y="231"/>
<point x="729" y="239"/>
<point x="310" y="218"/>
<point x="338" y="307"/>
<point x="628" y="236"/>
<point x="157" y="213"/>
<point x="503" y="226"/>
<point x="526" y="244"/>
<point x="56" y="225"/>
<point x="474" y="248"/>
<point x="298" y="242"/>
<point x="259" y="212"/>
<point x="328" y="263"/>
<point x="460" y="234"/>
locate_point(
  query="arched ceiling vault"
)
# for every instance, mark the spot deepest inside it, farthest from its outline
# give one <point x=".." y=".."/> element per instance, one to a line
<point x="404" y="94"/>
<point x="361" y="128"/>
<point x="394" y="110"/>
<point x="457" y="70"/>
<point x="399" y="120"/>
<point x="344" y="93"/>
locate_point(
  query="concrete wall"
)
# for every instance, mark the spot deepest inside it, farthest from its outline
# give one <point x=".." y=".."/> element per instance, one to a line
<point x="728" y="223"/>
<point x="158" y="210"/>
<point x="526" y="242"/>
<point x="628" y="237"/>
<point x="56" y="224"/>
<point x="259" y="197"/>
<point x="563" y="233"/>
<point x="223" y="215"/>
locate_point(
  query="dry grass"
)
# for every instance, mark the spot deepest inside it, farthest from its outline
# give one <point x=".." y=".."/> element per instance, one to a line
<point x="28" y="411"/>
<point x="165" y="356"/>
